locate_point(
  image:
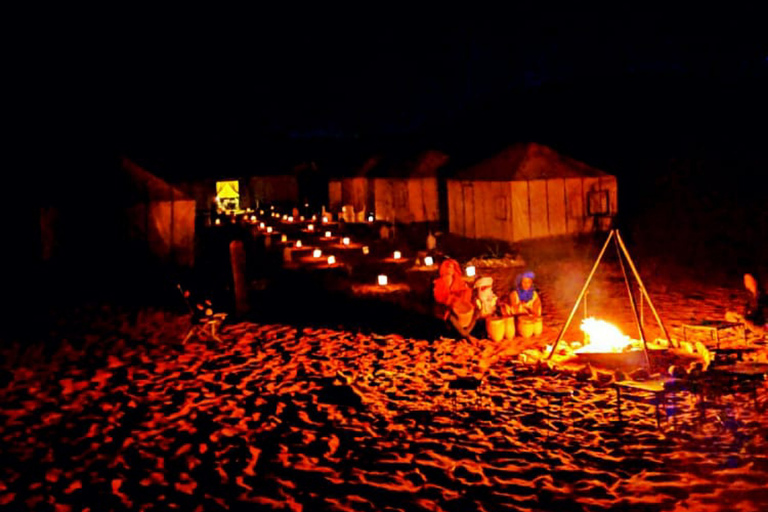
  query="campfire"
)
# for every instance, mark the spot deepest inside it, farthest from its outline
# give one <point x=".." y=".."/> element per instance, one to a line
<point x="603" y="337"/>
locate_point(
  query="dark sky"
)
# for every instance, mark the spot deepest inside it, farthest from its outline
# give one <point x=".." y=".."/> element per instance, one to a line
<point x="219" y="85"/>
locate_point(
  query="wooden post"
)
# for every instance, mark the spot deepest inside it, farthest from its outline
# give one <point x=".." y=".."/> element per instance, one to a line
<point x="642" y="288"/>
<point x="632" y="302"/>
<point x="581" y="294"/>
<point x="237" y="259"/>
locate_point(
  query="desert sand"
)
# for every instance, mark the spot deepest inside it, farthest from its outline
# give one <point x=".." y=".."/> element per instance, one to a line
<point x="120" y="416"/>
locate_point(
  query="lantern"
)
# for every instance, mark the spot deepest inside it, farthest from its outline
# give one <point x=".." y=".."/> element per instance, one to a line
<point x="365" y="249"/>
<point x="218" y="222"/>
<point x="269" y="229"/>
<point x="327" y="234"/>
<point x="261" y="225"/>
<point x="310" y="227"/>
<point x="298" y="243"/>
<point x="345" y="240"/>
<point x="301" y="218"/>
<point x="331" y="260"/>
<point x="382" y="280"/>
<point x="370" y="217"/>
<point x="290" y="218"/>
<point x="272" y="207"/>
<point x="284" y="238"/>
<point x="428" y="261"/>
<point x="470" y="271"/>
<point x="325" y="219"/>
<point x="253" y="218"/>
<point x="317" y="253"/>
<point x="397" y="255"/>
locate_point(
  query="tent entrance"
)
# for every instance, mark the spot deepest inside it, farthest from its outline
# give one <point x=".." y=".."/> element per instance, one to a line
<point x="228" y="194"/>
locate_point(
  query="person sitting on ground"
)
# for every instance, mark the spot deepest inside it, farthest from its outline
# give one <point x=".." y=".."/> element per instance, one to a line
<point x="453" y="298"/>
<point x="524" y="299"/>
<point x="755" y="312"/>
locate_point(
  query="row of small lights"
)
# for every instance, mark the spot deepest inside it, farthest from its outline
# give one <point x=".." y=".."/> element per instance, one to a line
<point x="317" y="253"/>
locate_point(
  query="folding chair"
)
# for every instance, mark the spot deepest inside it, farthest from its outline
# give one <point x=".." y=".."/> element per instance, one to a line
<point x="204" y="322"/>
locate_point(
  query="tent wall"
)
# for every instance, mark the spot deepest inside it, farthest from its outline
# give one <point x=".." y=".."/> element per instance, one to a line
<point x="274" y="189"/>
<point x="520" y="210"/>
<point x="334" y="195"/>
<point x="521" y="213"/>
<point x="406" y="200"/>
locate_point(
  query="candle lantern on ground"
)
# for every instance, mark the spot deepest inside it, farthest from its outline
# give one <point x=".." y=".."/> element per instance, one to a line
<point x="428" y="261"/>
<point x="331" y="260"/>
<point x="397" y="255"/>
<point x="365" y="249"/>
<point x="470" y="271"/>
<point x="345" y="240"/>
<point x="382" y="280"/>
<point x="317" y="253"/>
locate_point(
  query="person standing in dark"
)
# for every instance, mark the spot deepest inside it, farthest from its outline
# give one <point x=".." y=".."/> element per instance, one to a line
<point x="754" y="314"/>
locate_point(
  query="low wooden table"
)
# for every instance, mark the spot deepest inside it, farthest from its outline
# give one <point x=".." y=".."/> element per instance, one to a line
<point x="659" y="387"/>
<point x="716" y="329"/>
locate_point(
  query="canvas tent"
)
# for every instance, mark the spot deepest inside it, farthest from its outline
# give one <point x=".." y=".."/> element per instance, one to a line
<point x="401" y="189"/>
<point x="528" y="190"/>
<point x="125" y="214"/>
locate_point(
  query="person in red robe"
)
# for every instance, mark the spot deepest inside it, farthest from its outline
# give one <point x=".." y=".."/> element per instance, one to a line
<point x="453" y="298"/>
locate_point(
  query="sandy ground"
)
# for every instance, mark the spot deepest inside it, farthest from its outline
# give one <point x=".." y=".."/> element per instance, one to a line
<point x="121" y="416"/>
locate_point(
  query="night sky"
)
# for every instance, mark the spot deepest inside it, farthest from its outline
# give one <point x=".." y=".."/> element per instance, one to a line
<point x="229" y="88"/>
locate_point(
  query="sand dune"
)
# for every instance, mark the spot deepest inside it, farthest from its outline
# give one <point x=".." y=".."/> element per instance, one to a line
<point x="122" y="417"/>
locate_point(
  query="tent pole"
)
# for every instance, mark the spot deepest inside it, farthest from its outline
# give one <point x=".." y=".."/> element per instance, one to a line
<point x="581" y="294"/>
<point x="642" y="288"/>
<point x="632" y="302"/>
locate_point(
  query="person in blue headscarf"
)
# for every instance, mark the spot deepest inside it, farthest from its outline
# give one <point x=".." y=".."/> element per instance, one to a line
<point x="524" y="299"/>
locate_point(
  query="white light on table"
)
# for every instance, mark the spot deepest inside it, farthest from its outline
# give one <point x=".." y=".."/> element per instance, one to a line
<point x="382" y="280"/>
<point x="428" y="261"/>
<point x="345" y="240"/>
<point x="298" y="243"/>
<point x="397" y="255"/>
<point x="365" y="249"/>
<point x="331" y="260"/>
<point x="261" y="225"/>
<point x="317" y="253"/>
<point x="253" y="218"/>
<point x="290" y="218"/>
<point x="470" y="271"/>
<point x="269" y="229"/>
<point x="327" y="234"/>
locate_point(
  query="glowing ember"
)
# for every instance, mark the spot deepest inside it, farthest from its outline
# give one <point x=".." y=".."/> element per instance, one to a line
<point x="382" y="280"/>
<point x="601" y="336"/>
<point x="331" y="260"/>
<point x="470" y="271"/>
<point x="428" y="261"/>
<point x="317" y="253"/>
<point x="345" y="240"/>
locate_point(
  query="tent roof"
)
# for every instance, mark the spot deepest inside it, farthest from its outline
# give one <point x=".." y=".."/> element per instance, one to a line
<point x="527" y="161"/>
<point x="139" y="185"/>
<point x="423" y="164"/>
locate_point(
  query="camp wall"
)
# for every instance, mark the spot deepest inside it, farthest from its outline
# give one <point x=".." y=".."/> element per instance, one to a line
<point x="274" y="189"/>
<point x="165" y="228"/>
<point x="492" y="212"/>
<point x="334" y="195"/>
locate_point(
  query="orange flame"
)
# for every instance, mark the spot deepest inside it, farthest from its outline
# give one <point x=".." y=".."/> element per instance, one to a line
<point x="602" y="336"/>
